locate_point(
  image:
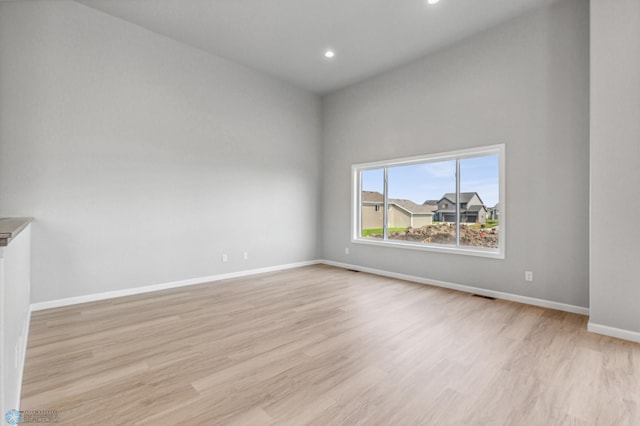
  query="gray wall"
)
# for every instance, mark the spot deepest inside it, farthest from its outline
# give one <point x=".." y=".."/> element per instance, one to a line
<point x="142" y="159"/>
<point x="615" y="157"/>
<point x="525" y="84"/>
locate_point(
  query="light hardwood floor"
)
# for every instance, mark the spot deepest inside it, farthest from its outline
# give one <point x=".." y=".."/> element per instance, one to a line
<point x="325" y="346"/>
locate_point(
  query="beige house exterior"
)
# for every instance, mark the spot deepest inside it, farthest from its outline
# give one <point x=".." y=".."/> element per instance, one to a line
<point x="402" y="213"/>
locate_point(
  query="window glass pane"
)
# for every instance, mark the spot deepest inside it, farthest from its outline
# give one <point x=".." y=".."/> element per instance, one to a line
<point x="372" y="203"/>
<point x="420" y="209"/>
<point x="479" y="201"/>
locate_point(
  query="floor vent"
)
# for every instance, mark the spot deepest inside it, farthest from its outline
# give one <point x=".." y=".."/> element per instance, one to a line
<point x="484" y="297"/>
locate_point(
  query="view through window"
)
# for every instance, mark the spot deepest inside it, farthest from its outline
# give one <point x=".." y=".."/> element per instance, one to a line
<point x="449" y="201"/>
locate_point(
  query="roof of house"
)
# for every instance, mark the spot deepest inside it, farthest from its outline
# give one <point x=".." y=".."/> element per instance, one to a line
<point x="412" y="207"/>
<point x="476" y="208"/>
<point x="408" y="205"/>
<point x="430" y="203"/>
<point x="372" y="197"/>
<point x="464" y="197"/>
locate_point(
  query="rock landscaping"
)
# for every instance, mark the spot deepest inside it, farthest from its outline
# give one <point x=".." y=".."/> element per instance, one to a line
<point x="445" y="233"/>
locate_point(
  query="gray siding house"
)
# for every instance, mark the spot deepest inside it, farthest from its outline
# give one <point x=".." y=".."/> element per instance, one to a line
<point x="472" y="209"/>
<point x="494" y="212"/>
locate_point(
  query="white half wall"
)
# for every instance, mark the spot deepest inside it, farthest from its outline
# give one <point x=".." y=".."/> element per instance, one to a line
<point x="525" y="84"/>
<point x="143" y="160"/>
<point x="615" y="171"/>
<point x="15" y="276"/>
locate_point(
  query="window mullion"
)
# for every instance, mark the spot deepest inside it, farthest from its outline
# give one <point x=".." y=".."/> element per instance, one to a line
<point x="457" y="202"/>
<point x="385" y="215"/>
<point x="360" y="204"/>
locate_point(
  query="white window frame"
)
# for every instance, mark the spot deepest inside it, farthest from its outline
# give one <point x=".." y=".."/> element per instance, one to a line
<point x="356" y="202"/>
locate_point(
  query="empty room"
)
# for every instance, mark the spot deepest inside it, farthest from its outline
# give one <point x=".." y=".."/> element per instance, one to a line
<point x="306" y="212"/>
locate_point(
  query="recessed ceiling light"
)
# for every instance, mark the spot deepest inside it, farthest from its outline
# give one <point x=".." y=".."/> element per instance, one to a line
<point x="329" y="54"/>
<point x="432" y="2"/>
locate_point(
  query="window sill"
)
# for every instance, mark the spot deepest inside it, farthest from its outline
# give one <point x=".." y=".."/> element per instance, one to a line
<point x="465" y="251"/>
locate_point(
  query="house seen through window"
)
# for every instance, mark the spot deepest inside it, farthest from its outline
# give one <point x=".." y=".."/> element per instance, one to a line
<point x="447" y="201"/>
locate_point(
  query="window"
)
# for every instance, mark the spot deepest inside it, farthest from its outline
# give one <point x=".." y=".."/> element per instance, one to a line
<point x="448" y="202"/>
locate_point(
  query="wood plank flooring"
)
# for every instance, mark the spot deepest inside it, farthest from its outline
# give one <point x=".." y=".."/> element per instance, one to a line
<point x="325" y="346"/>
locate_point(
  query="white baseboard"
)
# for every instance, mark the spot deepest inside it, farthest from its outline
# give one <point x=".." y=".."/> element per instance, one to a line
<point x="156" y="287"/>
<point x="475" y="290"/>
<point x="618" y="333"/>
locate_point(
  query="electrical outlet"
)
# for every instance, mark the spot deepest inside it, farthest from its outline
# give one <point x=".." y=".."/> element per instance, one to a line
<point x="346" y="250"/>
<point x="528" y="276"/>
<point x="225" y="258"/>
<point x="245" y="255"/>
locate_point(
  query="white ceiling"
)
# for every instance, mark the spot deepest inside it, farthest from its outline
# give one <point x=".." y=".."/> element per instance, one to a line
<point x="287" y="38"/>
